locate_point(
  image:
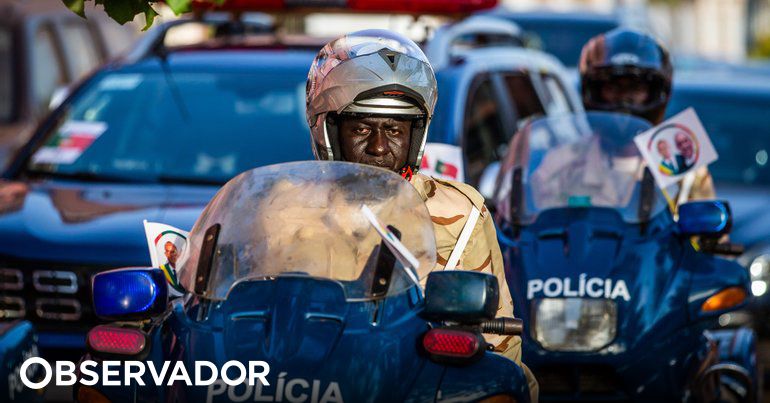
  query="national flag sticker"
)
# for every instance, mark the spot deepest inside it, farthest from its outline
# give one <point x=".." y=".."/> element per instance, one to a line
<point x="72" y="140"/>
<point x="443" y="161"/>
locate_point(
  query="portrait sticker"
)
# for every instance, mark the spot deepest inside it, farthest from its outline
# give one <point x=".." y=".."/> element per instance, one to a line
<point x="167" y="244"/>
<point x="676" y="147"/>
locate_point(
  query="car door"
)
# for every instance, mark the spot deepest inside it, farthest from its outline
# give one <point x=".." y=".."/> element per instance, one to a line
<point x="487" y="125"/>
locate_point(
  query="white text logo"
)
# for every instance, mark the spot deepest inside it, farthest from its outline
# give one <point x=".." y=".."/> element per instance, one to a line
<point x="594" y="287"/>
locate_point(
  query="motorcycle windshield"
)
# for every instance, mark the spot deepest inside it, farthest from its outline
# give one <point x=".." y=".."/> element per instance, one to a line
<point x="586" y="160"/>
<point x="307" y="217"/>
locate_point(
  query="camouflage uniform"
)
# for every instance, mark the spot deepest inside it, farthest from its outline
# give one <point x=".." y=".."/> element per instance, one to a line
<point x="449" y="204"/>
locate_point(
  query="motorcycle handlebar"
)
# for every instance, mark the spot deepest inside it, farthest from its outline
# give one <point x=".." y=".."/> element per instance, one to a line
<point x="503" y="326"/>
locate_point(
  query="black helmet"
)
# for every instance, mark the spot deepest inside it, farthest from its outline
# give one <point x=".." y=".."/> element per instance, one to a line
<point x="623" y="53"/>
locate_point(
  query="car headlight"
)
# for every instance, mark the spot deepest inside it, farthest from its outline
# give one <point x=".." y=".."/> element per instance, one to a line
<point x="759" y="269"/>
<point x="574" y="324"/>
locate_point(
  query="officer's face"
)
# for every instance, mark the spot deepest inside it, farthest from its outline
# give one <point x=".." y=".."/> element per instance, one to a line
<point x="624" y="90"/>
<point x="379" y="141"/>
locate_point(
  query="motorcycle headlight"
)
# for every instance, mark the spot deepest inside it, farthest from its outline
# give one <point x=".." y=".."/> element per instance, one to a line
<point x="759" y="269"/>
<point x="574" y="324"/>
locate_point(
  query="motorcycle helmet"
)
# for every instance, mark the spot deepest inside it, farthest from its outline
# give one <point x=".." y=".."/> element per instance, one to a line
<point x="370" y="72"/>
<point x="628" y="58"/>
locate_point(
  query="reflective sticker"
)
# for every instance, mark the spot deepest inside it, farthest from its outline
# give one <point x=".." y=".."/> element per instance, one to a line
<point x="443" y="161"/>
<point x="72" y="140"/>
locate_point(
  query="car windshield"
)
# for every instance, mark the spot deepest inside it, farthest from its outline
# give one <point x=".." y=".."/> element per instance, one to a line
<point x="577" y="161"/>
<point x="6" y="76"/>
<point x="308" y="217"/>
<point x="186" y="126"/>
<point x="737" y="125"/>
<point x="563" y="39"/>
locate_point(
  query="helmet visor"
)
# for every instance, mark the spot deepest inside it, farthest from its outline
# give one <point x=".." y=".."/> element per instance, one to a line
<point x="626" y="89"/>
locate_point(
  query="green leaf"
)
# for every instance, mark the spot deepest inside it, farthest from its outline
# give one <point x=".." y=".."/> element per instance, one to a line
<point x="149" y="17"/>
<point x="179" y="6"/>
<point x="123" y="11"/>
<point x="76" y="6"/>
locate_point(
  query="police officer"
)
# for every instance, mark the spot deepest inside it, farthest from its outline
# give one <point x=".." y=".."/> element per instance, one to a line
<point x="370" y="97"/>
<point x="629" y="71"/>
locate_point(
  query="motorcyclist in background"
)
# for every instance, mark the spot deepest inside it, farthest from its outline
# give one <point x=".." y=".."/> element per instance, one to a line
<point x="370" y="96"/>
<point x="630" y="72"/>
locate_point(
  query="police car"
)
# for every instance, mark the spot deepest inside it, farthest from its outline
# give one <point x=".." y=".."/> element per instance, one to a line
<point x="151" y="136"/>
<point x="488" y="86"/>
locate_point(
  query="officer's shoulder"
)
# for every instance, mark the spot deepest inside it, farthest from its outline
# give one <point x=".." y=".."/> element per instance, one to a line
<point x="453" y="188"/>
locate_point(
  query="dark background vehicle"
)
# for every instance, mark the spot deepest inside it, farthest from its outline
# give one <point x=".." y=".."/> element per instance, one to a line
<point x="561" y="34"/>
<point x="175" y="124"/>
<point x="43" y="47"/>
<point x="733" y="110"/>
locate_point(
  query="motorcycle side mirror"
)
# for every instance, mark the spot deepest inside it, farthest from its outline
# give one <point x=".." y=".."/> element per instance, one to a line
<point x="129" y="294"/>
<point x="711" y="218"/>
<point x="461" y="296"/>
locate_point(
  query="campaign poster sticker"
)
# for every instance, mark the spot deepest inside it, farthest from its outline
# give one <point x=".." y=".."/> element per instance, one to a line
<point x="676" y="147"/>
<point x="443" y="161"/>
<point x="72" y="140"/>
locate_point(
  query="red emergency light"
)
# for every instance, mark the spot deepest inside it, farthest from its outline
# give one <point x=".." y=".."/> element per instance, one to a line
<point x="435" y="7"/>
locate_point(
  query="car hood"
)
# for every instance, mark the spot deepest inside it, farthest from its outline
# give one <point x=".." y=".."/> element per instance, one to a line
<point x="89" y="223"/>
<point x="751" y="217"/>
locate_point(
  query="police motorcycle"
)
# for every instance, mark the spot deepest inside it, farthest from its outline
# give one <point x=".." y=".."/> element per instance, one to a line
<point x="316" y="269"/>
<point x="617" y="302"/>
<point x="18" y="343"/>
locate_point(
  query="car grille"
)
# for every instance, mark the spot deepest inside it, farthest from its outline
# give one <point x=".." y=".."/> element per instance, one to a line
<point x="580" y="382"/>
<point x="54" y="297"/>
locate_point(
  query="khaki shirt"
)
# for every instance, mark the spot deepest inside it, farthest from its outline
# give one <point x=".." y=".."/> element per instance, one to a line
<point x="702" y="187"/>
<point x="449" y="204"/>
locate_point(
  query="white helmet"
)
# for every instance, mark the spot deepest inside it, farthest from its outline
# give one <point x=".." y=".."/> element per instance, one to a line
<point x="371" y="72"/>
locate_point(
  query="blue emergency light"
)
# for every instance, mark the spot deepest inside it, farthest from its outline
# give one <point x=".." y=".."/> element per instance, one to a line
<point x="129" y="294"/>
